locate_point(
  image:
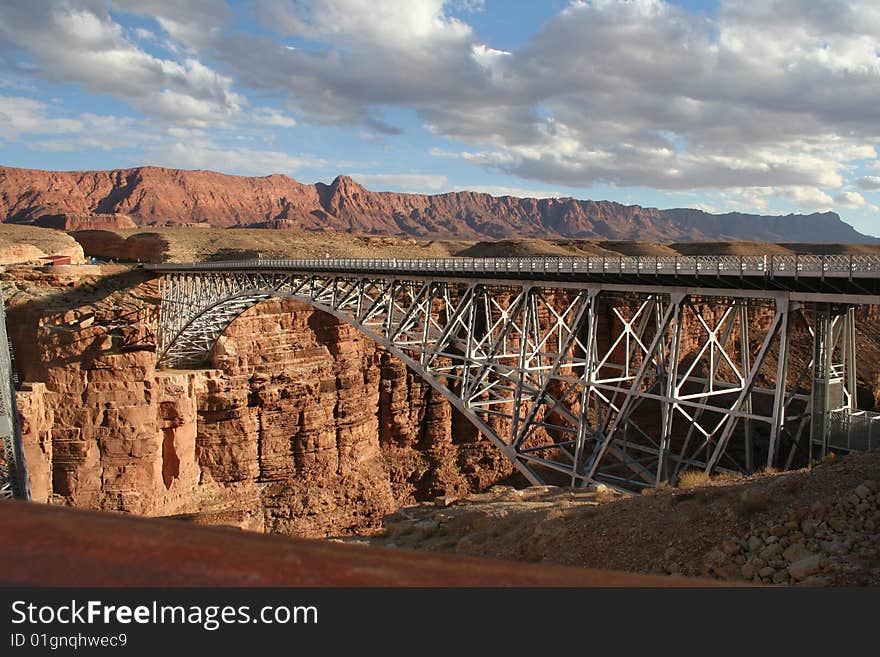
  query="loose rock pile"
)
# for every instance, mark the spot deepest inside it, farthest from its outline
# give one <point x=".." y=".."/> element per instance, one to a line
<point x="812" y="546"/>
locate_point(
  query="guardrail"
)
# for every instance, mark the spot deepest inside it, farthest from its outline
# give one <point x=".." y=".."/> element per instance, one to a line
<point x="854" y="430"/>
<point x="770" y="266"/>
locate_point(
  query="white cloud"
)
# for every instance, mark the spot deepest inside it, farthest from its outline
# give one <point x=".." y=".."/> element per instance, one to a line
<point x="869" y="183"/>
<point x="472" y="6"/>
<point x="244" y="161"/>
<point x="25" y="116"/>
<point x="80" y="43"/>
<point x="635" y="93"/>
<point x="773" y="96"/>
<point x="417" y="182"/>
<point x="272" y="117"/>
<point x="806" y="197"/>
<point x="849" y="200"/>
<point x="144" y="34"/>
<point x="705" y="207"/>
<point x="41" y="129"/>
<point x="502" y="190"/>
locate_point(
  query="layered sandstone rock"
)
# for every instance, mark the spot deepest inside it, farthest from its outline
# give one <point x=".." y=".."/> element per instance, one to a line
<point x="286" y="430"/>
<point x="107" y="245"/>
<point x="85" y="221"/>
<point x="157" y="196"/>
<point x="27" y="244"/>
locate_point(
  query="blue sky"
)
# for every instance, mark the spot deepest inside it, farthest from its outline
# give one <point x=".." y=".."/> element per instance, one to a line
<point x="763" y="106"/>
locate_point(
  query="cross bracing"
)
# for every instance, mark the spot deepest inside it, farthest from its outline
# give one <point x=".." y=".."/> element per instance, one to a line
<point x="575" y="381"/>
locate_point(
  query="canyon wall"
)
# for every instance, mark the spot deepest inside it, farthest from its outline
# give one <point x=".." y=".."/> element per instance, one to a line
<point x="299" y="425"/>
<point x="77" y="200"/>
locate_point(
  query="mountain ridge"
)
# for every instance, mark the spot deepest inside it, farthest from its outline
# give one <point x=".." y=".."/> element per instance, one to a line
<point x="158" y="196"/>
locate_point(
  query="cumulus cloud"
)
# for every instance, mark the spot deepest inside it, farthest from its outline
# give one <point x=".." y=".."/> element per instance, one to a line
<point x="81" y="43"/>
<point x="503" y="190"/>
<point x="272" y="117"/>
<point x="45" y="130"/>
<point x="777" y="97"/>
<point x="849" y="200"/>
<point x="628" y="93"/>
<point x="869" y="183"/>
<point x="806" y="197"/>
<point x="25" y="116"/>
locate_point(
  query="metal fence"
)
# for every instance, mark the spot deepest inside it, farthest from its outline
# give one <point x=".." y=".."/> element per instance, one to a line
<point x="794" y="266"/>
<point x="854" y="430"/>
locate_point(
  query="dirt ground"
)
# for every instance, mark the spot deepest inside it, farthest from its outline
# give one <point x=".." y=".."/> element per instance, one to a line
<point x="724" y="528"/>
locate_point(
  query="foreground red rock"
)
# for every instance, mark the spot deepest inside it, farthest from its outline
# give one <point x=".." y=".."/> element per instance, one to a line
<point x="50" y="546"/>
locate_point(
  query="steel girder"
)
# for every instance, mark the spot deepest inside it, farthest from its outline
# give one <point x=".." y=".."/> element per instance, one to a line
<point x="573" y="385"/>
<point x="14" y="482"/>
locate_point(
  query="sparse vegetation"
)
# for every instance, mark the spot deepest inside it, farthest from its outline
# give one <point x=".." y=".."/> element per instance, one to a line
<point x="694" y="479"/>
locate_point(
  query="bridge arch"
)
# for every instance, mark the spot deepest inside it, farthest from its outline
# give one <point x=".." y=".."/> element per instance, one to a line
<point x="196" y="339"/>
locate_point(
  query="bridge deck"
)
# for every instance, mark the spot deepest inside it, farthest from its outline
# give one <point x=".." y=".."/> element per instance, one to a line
<point x="811" y="277"/>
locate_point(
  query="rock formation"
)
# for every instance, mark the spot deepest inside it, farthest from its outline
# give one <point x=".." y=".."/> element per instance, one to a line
<point x="299" y="425"/>
<point x="108" y="245"/>
<point x="157" y="196"/>
<point x="85" y="221"/>
<point x="25" y="244"/>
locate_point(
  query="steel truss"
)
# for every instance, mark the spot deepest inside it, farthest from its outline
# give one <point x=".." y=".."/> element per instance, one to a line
<point x="574" y="384"/>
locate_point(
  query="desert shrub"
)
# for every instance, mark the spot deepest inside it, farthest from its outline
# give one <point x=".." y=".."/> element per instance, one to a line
<point x="694" y="478"/>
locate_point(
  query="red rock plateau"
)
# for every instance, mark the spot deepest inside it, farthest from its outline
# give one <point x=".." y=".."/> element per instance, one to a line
<point x="153" y="196"/>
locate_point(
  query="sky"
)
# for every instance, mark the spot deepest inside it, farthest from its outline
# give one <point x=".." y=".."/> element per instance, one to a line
<point x="764" y="106"/>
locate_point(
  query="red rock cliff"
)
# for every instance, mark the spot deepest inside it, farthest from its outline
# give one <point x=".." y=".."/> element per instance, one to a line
<point x="157" y="196"/>
<point x="299" y="426"/>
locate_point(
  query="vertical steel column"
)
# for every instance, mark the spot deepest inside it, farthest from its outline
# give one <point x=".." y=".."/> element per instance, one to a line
<point x="517" y="426"/>
<point x="13" y="468"/>
<point x="586" y="380"/>
<point x="667" y="406"/>
<point x="849" y="357"/>
<point x="820" y="396"/>
<point x="778" y="424"/>
<point x="745" y="359"/>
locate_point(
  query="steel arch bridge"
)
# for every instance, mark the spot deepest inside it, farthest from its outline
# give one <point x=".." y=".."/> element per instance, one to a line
<point x="624" y="371"/>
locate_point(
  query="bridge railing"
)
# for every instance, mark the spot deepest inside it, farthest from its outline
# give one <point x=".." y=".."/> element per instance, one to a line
<point x="681" y="265"/>
<point x="854" y="430"/>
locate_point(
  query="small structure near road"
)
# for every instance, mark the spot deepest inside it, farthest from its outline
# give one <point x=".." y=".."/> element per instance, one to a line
<point x="55" y="260"/>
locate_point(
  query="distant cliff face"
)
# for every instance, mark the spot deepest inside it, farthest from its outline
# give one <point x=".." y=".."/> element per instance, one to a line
<point x="157" y="196"/>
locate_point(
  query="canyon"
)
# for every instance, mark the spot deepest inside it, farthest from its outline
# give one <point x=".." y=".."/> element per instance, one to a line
<point x="154" y="196"/>
<point x="298" y="425"/>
